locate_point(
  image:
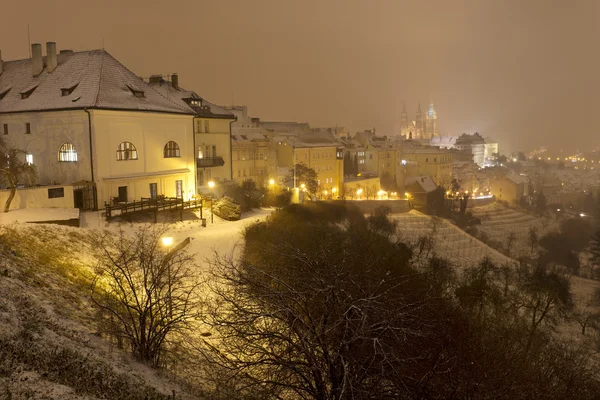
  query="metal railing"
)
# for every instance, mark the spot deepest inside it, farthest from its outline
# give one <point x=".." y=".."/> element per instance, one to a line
<point x="209" y="162"/>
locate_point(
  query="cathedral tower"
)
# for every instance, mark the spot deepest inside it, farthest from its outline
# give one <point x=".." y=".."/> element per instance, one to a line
<point x="404" y="123"/>
<point x="418" y="134"/>
<point x="431" y="123"/>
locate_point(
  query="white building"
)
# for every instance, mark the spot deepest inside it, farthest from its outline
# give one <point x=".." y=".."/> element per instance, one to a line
<point x="86" y="120"/>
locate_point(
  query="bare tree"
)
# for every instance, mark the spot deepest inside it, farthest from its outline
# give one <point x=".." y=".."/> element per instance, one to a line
<point x="533" y="238"/>
<point x="14" y="170"/>
<point x="320" y="310"/>
<point x="149" y="293"/>
<point x="510" y="240"/>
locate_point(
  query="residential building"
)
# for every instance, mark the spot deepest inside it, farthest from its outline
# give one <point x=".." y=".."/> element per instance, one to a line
<point x="382" y="155"/>
<point x="419" y="160"/>
<point x="212" y="131"/>
<point x="254" y="153"/>
<point x="420" y="191"/>
<point x="84" y="119"/>
<point x="321" y="152"/>
<point x="510" y="188"/>
<point x="254" y="157"/>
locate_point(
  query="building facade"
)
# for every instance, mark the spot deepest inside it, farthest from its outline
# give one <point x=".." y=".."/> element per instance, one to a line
<point x="85" y="120"/>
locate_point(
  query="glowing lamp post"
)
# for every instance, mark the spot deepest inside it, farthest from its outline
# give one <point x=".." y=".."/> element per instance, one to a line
<point x="271" y="182"/>
<point x="211" y="185"/>
<point x="167" y="241"/>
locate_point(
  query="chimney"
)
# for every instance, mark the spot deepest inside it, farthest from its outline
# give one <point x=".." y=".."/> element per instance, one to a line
<point x="51" y="56"/>
<point x="175" y="81"/>
<point x="1" y="62"/>
<point x="37" y="63"/>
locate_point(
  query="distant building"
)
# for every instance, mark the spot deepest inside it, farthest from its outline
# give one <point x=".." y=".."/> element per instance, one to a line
<point x="420" y="191"/>
<point x="431" y="123"/>
<point x="472" y="145"/>
<point x="510" y="188"/>
<point x="253" y="150"/>
<point x="321" y="152"/>
<point x="418" y="160"/>
<point x="422" y="127"/>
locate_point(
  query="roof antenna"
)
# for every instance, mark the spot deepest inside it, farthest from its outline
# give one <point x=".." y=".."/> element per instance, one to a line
<point x="28" y="41"/>
<point x="102" y="43"/>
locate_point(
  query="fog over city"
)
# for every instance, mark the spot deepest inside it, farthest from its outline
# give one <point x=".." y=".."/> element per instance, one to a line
<point x="299" y="199"/>
<point x="522" y="72"/>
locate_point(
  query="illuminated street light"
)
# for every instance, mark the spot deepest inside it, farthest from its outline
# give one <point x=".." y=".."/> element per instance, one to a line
<point x="303" y="186"/>
<point x="167" y="241"/>
<point x="333" y="190"/>
<point x="211" y="184"/>
<point x="271" y="182"/>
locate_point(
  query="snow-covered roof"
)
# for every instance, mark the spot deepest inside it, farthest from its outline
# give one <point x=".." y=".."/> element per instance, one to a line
<point x="313" y="139"/>
<point x="518" y="179"/>
<point x="286" y="127"/>
<point x="425" y="182"/>
<point x="178" y="95"/>
<point x="441" y="141"/>
<point x="86" y="79"/>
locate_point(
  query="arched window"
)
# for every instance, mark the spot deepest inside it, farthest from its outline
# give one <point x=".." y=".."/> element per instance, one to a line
<point x="67" y="153"/>
<point x="171" y="150"/>
<point x="126" y="151"/>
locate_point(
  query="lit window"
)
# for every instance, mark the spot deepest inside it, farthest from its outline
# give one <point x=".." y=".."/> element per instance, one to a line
<point x="126" y="151"/>
<point x="67" y="153"/>
<point x="29" y="159"/>
<point x="171" y="150"/>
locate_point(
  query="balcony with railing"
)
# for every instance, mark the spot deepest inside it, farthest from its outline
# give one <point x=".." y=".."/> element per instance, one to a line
<point x="206" y="162"/>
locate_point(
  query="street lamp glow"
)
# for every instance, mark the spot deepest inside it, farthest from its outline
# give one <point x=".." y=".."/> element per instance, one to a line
<point x="333" y="190"/>
<point x="211" y="184"/>
<point x="325" y="192"/>
<point x="271" y="182"/>
<point x="167" y="241"/>
<point x="303" y="186"/>
<point x="359" y="191"/>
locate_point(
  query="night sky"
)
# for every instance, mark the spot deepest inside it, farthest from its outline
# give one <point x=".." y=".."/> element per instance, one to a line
<point x="524" y="72"/>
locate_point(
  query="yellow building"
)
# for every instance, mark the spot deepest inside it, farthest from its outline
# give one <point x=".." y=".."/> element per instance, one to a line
<point x="427" y="161"/>
<point x="254" y="157"/>
<point x="85" y="120"/>
<point x="317" y="151"/>
<point x="382" y="156"/>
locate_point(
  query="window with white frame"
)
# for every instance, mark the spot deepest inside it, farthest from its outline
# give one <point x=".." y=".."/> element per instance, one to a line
<point x="67" y="153"/>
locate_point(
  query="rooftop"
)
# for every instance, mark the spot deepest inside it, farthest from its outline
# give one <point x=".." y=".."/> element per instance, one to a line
<point x="85" y="79"/>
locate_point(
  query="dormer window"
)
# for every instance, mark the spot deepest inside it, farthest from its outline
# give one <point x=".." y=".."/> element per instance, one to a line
<point x="4" y="93"/>
<point x="136" y="92"/>
<point x="68" y="90"/>
<point x="25" y="94"/>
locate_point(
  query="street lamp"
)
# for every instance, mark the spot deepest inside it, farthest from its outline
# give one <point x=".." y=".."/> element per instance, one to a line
<point x="167" y="241"/>
<point x="271" y="182"/>
<point x="211" y="185"/>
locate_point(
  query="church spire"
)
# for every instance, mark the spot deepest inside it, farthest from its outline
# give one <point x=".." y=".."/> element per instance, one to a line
<point x="404" y="122"/>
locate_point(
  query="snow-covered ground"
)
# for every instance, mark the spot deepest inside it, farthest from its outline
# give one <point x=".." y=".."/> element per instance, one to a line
<point x="448" y="240"/>
<point x="39" y="215"/>
<point x="508" y="230"/>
